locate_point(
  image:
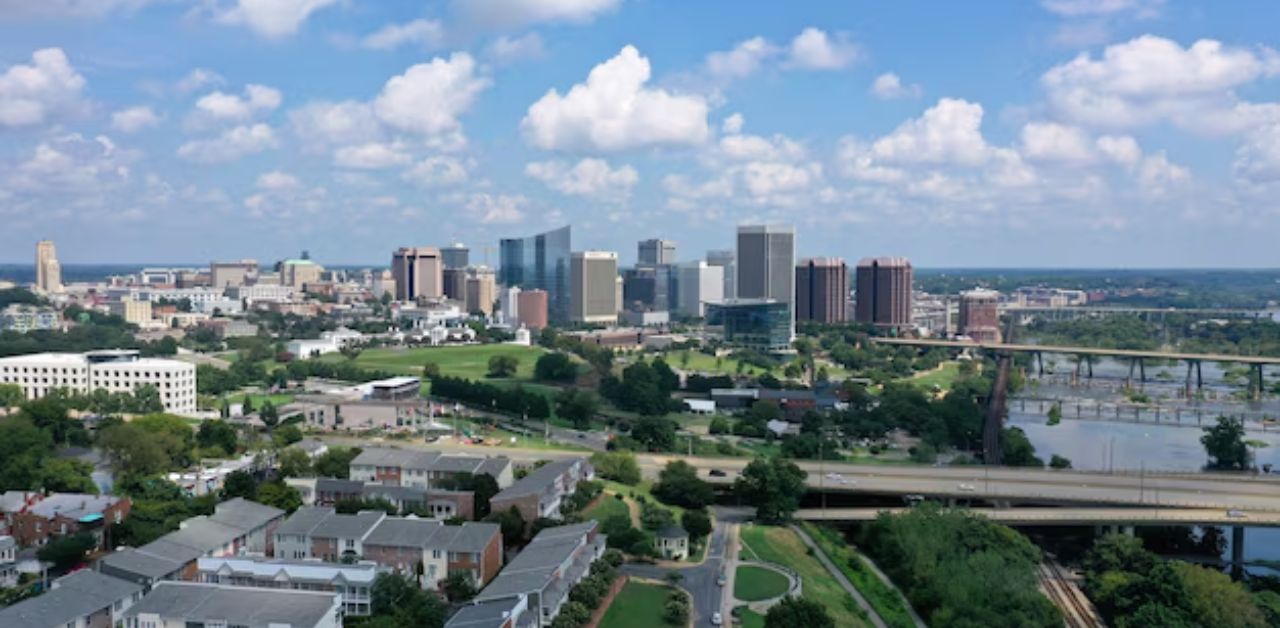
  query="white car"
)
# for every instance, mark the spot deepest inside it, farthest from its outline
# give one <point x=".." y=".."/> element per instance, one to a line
<point x="968" y="488"/>
<point x="1236" y="514"/>
<point x="716" y="620"/>
<point x="835" y="476"/>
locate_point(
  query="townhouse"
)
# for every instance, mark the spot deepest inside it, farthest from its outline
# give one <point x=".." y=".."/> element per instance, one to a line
<point x="32" y="518"/>
<point x="540" y="493"/>
<point x="424" y="469"/>
<point x="189" y="604"/>
<point x="353" y="582"/>
<point x="83" y="599"/>
<point x="435" y="503"/>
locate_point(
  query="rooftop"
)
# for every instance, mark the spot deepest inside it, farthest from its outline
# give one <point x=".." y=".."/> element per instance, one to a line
<point x="309" y="571"/>
<point x="197" y="536"/>
<point x="71" y="597"/>
<point x="539" y="479"/>
<point x="485" y="614"/>
<point x="239" y="606"/>
<point x="533" y="568"/>
<point x="672" y="531"/>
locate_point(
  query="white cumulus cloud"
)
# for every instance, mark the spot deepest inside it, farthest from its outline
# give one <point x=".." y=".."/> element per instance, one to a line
<point x="888" y="86"/>
<point x="591" y="178"/>
<point x="273" y="19"/>
<point x="814" y="49"/>
<point x="371" y="156"/>
<point x="614" y="110"/>
<point x="507" y="50"/>
<point x="428" y="97"/>
<point x="950" y="131"/>
<point x="47" y="88"/>
<point x="497" y="208"/>
<point x="1049" y="141"/>
<point x="220" y="106"/>
<point x="321" y="125"/>
<point x="134" y="119"/>
<point x="743" y="60"/>
<point x="436" y="171"/>
<point x="422" y="32"/>
<point x="232" y="144"/>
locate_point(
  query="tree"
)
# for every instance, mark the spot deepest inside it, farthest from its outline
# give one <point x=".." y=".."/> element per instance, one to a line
<point x="1059" y="462"/>
<point x="277" y="493"/>
<point x="1017" y="450"/>
<point x="619" y="466"/>
<point x="1224" y="443"/>
<point x="133" y="450"/>
<point x="11" y="395"/>
<point x="336" y="462"/>
<point x="655" y="433"/>
<point x="399" y="601"/>
<point x="774" y="486"/>
<point x="578" y="406"/>
<point x="239" y="484"/>
<point x="269" y="416"/>
<point x="49" y="413"/>
<point x="572" y="615"/>
<point x="555" y="367"/>
<point x="286" y="435"/>
<point x="220" y="434"/>
<point x="430" y="370"/>
<point x="719" y="425"/>
<point x="1216" y="600"/>
<point x="795" y="611"/>
<point x="67" y="475"/>
<point x="68" y="551"/>
<point x="512" y="524"/>
<point x="679" y="485"/>
<point x="1055" y="414"/>
<point x="482" y="486"/>
<point x="697" y="523"/>
<point x="294" y="463"/>
<point x="503" y="365"/>
<point x="676" y="610"/>
<point x="459" y="587"/>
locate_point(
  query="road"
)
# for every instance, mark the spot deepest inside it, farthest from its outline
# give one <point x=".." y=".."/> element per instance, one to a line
<point x="1097" y="351"/>
<point x="1072" y="516"/>
<point x="1167" y="490"/>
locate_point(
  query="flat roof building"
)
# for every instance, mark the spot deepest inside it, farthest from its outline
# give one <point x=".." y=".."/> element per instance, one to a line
<point x="539" y="262"/>
<point x="884" y="292"/>
<point x="112" y="370"/>
<point x="352" y="582"/>
<point x="822" y="290"/>
<point x="656" y="252"/>
<point x="980" y="315"/>
<point x="766" y="266"/>
<point x="763" y="324"/>
<point x="186" y="604"/>
<point x="594" y="287"/>
<point x="418" y="273"/>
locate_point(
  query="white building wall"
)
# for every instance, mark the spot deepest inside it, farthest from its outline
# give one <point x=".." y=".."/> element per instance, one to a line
<point x="40" y="373"/>
<point x="699" y="283"/>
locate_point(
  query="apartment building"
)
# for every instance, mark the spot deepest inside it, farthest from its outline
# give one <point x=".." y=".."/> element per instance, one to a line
<point x="422" y="469"/>
<point x="441" y="504"/>
<point x="540" y="493"/>
<point x="33" y="519"/>
<point x="112" y="370"/>
<point x="536" y="584"/>
<point x="236" y="527"/>
<point x="353" y="582"/>
<point x="403" y="544"/>
<point x="191" y="604"/>
<point x="84" y="599"/>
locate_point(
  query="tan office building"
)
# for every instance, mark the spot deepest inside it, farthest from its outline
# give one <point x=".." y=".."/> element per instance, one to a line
<point x="418" y="273"/>
<point x="481" y="291"/>
<point x="593" y="281"/>
<point x="48" y="270"/>
<point x="298" y="273"/>
<point x="133" y="311"/>
<point x="232" y="274"/>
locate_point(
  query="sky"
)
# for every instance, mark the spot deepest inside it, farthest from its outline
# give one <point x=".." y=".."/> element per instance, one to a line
<point x="1050" y="133"/>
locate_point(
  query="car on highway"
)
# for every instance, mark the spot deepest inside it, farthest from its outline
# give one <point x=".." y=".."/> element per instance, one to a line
<point x="716" y="473"/>
<point x="716" y="620"/>
<point x="835" y="476"/>
<point x="720" y="580"/>
<point x="968" y="488"/>
<point x="1236" y="514"/>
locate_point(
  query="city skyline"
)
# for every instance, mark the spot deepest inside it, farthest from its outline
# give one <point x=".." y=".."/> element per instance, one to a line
<point x="170" y="132"/>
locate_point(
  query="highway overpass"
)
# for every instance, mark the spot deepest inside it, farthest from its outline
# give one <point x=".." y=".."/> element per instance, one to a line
<point x="1073" y="516"/>
<point x="1252" y="360"/>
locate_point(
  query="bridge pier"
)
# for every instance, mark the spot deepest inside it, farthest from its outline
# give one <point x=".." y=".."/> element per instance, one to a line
<point x="1255" y="382"/>
<point x="1040" y="363"/>
<point x="1237" y="551"/>
<point x="1142" y="370"/>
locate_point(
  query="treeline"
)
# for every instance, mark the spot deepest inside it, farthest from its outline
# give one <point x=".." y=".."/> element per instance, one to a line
<point x="93" y="330"/>
<point x="28" y="441"/>
<point x="644" y="388"/>
<point x="513" y="400"/>
<point x="961" y="570"/>
<point x="211" y="380"/>
<point x="1133" y="587"/>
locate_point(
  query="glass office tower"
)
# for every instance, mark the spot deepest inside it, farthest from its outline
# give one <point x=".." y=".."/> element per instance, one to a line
<point x="539" y="262"/>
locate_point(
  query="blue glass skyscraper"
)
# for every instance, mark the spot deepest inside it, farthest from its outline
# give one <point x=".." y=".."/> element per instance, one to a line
<point x="539" y="262"/>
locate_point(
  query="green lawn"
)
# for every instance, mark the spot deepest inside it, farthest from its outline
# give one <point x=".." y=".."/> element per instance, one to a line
<point x="638" y="605"/>
<point x="751" y="619"/>
<point x="942" y="377"/>
<point x="642" y="490"/>
<point x="882" y="597"/>
<point x="782" y="546"/>
<point x="257" y="399"/>
<point x="752" y="583"/>
<point x="500" y="438"/>
<point x="606" y="508"/>
<point x="469" y="361"/>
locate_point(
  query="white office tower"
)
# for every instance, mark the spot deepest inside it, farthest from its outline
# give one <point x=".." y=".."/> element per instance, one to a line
<point x="698" y="283"/>
<point x="509" y="306"/>
<point x="593" y="281"/>
<point x="766" y="265"/>
<point x="727" y="261"/>
<point x="125" y="370"/>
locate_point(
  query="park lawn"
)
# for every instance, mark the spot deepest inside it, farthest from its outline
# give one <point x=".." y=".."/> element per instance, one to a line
<point x="642" y="490"/>
<point x="500" y="438"/>
<point x="638" y="605"/>
<point x="752" y="583"/>
<point x="607" y="507"/>
<point x="751" y="619"/>
<point x="887" y="601"/>
<point x="941" y="377"/>
<point x="467" y="361"/>
<point x="256" y="399"/>
<point x="781" y="546"/>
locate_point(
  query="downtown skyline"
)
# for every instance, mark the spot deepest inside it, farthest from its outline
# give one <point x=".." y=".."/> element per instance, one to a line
<point x="1064" y="133"/>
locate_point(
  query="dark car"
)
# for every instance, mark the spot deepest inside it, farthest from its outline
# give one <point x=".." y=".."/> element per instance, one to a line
<point x="716" y="473"/>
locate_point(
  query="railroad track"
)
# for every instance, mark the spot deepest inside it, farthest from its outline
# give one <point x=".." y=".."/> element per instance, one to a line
<point x="1076" y="613"/>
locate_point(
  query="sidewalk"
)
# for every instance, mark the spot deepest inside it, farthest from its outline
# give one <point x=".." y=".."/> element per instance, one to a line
<point x="839" y="577"/>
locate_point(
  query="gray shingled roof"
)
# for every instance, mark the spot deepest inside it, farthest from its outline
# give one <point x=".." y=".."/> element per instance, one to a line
<point x="538" y="480"/>
<point x="244" y="514"/>
<point x="533" y="568"/>
<point x="400" y="532"/>
<point x="304" y="520"/>
<point x="72" y="597"/>
<point x="144" y="563"/>
<point x="338" y="485"/>
<point x="672" y="531"/>
<point x="385" y="457"/>
<point x="348" y="526"/>
<point x="243" y="606"/>
<point x="483" y="615"/>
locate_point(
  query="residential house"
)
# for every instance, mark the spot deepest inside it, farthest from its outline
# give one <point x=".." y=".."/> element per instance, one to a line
<point x="440" y="504"/>
<point x="540" y="493"/>
<point x="8" y="562"/>
<point x="502" y="613"/>
<point x="353" y="582"/>
<point x="542" y="575"/>
<point x="40" y="518"/>
<point x="237" y="527"/>
<point x="407" y="467"/>
<point x="83" y="599"/>
<point x="190" y="604"/>
<point x="673" y="542"/>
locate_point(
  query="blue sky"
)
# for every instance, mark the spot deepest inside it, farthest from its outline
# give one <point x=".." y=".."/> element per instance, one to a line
<point x="1114" y="133"/>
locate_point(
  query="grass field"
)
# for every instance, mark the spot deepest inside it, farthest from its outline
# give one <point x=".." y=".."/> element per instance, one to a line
<point x="606" y="508"/>
<point x="941" y="377"/>
<point x="882" y="597"/>
<point x="752" y="619"/>
<point x="725" y="365"/>
<point x="752" y="583"/>
<point x="469" y="361"/>
<point x="638" y="605"/>
<point x="502" y="438"/>
<point x="782" y="546"/>
<point x="257" y="398"/>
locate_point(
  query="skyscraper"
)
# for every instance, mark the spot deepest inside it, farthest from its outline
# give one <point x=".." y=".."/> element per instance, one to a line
<point x="766" y="264"/>
<point x="418" y="273"/>
<point x="980" y="315"/>
<point x="232" y="274"/>
<point x="456" y="255"/>
<point x="728" y="261"/>
<point x="539" y="262"/>
<point x="656" y="252"/>
<point x="822" y="290"/>
<point x="699" y="283"/>
<point x="481" y="290"/>
<point x="594" y="279"/>
<point x="48" y="271"/>
<point x="531" y="309"/>
<point x="884" y="292"/>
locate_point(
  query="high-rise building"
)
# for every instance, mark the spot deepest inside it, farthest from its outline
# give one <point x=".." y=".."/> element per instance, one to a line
<point x="699" y="283"/>
<point x="728" y="261"/>
<point x="454" y="283"/>
<point x="298" y="273"/>
<point x="509" y="305"/>
<point x="48" y="270"/>
<point x="822" y="290"/>
<point x="656" y="252"/>
<point x="762" y="324"/>
<point x="418" y="273"/>
<point x="766" y="264"/>
<point x="594" y="286"/>
<point x="232" y="274"/>
<point x="133" y="311"/>
<point x="456" y="255"/>
<point x="884" y="292"/>
<point x="481" y="290"/>
<point x="539" y="262"/>
<point x="531" y="309"/>
<point x="980" y="315"/>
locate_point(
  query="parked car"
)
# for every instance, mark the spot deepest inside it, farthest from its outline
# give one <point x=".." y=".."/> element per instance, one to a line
<point x="716" y="473"/>
<point x="716" y="620"/>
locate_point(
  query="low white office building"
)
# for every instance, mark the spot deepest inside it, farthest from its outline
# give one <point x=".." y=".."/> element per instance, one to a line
<point x="112" y="370"/>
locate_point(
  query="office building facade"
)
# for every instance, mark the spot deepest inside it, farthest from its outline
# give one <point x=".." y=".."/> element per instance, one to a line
<point x="112" y="370"/>
<point x="539" y="262"/>
<point x="593" y="287"/>
<point x="418" y="273"/>
<point x="980" y="315"/>
<point x="761" y="324"/>
<point x="698" y="283"/>
<point x="456" y="255"/>
<point x="884" y="292"/>
<point x="822" y="290"/>
<point x="727" y="260"/>
<point x="481" y="290"/>
<point x="531" y="309"/>
<point x="48" y="270"/>
<point x="224" y="275"/>
<point x="766" y="265"/>
<point x="656" y="252"/>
